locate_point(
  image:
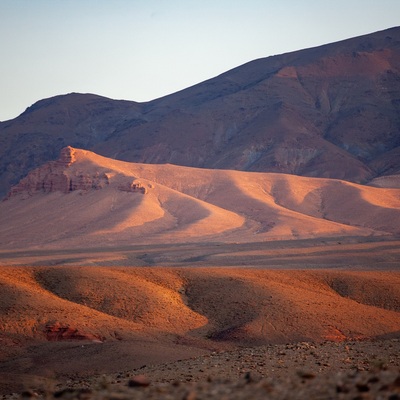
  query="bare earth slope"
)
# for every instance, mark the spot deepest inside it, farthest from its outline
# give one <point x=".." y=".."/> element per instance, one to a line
<point x="85" y="200"/>
<point x="58" y="322"/>
<point x="330" y="111"/>
<point x="73" y="306"/>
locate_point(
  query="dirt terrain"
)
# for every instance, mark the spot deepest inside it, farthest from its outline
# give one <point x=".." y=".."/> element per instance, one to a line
<point x="260" y="260"/>
<point x="111" y="270"/>
<point x="328" y="370"/>
<point x="349" y="370"/>
<point x="340" y="252"/>
<point x="68" y="325"/>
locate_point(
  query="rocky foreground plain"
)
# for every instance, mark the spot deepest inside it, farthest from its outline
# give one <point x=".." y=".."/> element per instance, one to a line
<point x="357" y="370"/>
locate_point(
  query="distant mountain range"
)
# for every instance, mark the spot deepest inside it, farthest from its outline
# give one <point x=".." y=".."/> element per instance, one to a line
<point x="332" y="111"/>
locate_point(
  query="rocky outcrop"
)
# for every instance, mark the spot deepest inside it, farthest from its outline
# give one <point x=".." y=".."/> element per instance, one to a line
<point x="134" y="186"/>
<point x="67" y="156"/>
<point x="64" y="175"/>
<point x="56" y="332"/>
<point x="55" y="176"/>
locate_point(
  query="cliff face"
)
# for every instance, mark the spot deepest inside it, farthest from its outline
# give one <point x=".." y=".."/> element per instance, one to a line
<point x="58" y="176"/>
<point x="55" y="176"/>
<point x="331" y="111"/>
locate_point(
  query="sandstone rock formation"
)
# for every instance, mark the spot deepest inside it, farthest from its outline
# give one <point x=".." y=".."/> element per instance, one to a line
<point x="134" y="186"/>
<point x="58" y="176"/>
<point x="54" y="176"/>
<point x="56" y="332"/>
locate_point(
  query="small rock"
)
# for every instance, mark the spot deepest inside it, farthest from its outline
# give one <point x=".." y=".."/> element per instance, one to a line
<point x="29" y="394"/>
<point x="362" y="387"/>
<point x="190" y="396"/>
<point x="305" y="375"/>
<point x="139" y="381"/>
<point x="248" y="378"/>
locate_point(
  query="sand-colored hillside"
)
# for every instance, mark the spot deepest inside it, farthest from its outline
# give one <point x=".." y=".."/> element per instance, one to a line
<point x="61" y="321"/>
<point x="85" y="200"/>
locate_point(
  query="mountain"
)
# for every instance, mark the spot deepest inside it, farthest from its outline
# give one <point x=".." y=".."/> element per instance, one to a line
<point x="84" y="200"/>
<point x="332" y="111"/>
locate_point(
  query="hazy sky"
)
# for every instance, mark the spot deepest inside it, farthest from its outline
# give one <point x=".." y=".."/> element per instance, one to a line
<point x="143" y="49"/>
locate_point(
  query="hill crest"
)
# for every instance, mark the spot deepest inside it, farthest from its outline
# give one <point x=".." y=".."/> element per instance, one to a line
<point x="87" y="199"/>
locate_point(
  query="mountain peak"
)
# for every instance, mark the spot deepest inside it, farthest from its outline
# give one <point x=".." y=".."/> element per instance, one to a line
<point x="330" y="111"/>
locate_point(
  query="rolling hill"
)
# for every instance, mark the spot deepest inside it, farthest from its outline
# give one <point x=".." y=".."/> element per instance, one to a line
<point x="59" y="324"/>
<point x="84" y="200"/>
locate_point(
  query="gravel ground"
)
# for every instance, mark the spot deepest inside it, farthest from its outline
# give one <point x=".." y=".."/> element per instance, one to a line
<point x="347" y="370"/>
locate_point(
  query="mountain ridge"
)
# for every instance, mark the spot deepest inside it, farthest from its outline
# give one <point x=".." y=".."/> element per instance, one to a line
<point x="330" y="111"/>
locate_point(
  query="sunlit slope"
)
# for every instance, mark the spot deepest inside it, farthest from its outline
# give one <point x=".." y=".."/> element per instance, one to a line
<point x="284" y="306"/>
<point x="234" y="305"/>
<point x="95" y="201"/>
<point x="27" y="308"/>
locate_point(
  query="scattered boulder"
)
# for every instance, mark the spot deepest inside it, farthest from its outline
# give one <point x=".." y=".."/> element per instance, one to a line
<point x="139" y="381"/>
<point x="84" y="181"/>
<point x="134" y="186"/>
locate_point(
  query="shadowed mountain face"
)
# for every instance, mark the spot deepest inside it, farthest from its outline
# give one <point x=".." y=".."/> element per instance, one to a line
<point x="331" y="111"/>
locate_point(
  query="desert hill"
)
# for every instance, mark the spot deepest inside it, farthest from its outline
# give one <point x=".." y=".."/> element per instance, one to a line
<point x="330" y="111"/>
<point x="101" y="272"/>
<point x="84" y="200"/>
<point x="58" y="322"/>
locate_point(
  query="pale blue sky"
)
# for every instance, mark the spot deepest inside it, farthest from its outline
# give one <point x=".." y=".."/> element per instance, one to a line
<point x="144" y="49"/>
